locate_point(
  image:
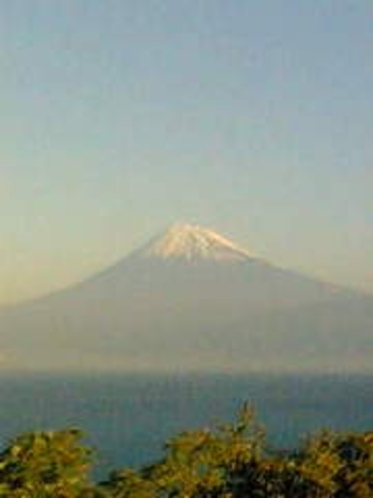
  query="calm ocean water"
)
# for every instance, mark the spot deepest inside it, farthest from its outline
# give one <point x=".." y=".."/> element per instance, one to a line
<point x="128" y="417"/>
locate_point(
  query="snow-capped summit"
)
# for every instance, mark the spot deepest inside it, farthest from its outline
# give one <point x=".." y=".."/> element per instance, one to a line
<point x="190" y="242"/>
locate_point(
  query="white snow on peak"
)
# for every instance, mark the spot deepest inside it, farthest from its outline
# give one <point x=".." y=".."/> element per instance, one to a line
<point x="190" y="242"/>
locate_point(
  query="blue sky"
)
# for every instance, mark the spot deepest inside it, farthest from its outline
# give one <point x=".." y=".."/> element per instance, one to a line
<point x="120" y="117"/>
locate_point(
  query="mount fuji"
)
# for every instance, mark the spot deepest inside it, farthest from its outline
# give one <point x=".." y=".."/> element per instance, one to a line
<point x="191" y="300"/>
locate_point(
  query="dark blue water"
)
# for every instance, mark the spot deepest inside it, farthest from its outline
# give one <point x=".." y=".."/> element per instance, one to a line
<point x="129" y="417"/>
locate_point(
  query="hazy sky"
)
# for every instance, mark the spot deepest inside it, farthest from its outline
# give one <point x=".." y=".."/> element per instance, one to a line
<point x="118" y="117"/>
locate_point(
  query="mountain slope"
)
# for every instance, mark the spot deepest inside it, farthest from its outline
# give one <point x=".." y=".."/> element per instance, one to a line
<point x="191" y="299"/>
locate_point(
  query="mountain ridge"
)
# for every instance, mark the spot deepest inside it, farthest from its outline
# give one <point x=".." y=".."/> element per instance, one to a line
<point x="180" y="302"/>
<point x="189" y="241"/>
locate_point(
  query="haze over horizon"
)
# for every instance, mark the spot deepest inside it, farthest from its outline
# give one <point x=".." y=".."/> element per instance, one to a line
<point x="119" y="119"/>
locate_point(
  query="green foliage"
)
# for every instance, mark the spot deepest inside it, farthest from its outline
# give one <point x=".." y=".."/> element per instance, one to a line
<point x="130" y="484"/>
<point x="355" y="477"/>
<point x="202" y="463"/>
<point x="230" y="461"/>
<point x="45" y="464"/>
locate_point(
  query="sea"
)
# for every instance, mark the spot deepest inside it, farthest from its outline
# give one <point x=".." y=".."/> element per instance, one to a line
<point x="127" y="418"/>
